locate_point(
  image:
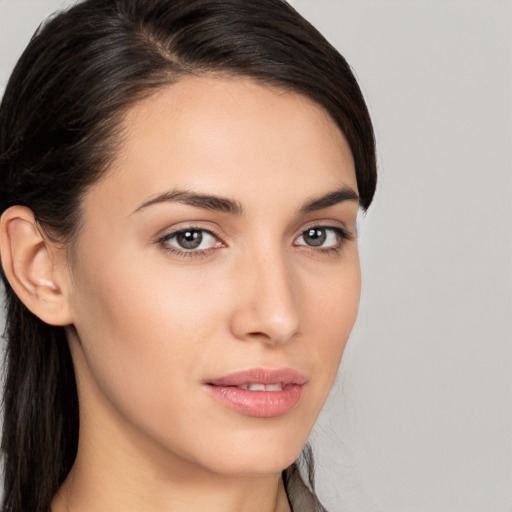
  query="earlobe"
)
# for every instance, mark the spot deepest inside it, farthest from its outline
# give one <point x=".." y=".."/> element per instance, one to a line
<point x="33" y="266"/>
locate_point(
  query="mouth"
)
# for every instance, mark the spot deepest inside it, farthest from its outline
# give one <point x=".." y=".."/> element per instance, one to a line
<point x="261" y="377"/>
<point x="260" y="393"/>
<point x="262" y="387"/>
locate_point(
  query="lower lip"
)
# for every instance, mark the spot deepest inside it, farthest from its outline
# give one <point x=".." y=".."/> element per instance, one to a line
<point x="260" y="404"/>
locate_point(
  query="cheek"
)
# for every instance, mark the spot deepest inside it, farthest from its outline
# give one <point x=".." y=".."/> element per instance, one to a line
<point x="150" y="330"/>
<point x="151" y="333"/>
<point x="134" y="319"/>
<point x="146" y="343"/>
<point x="132" y="314"/>
<point x="330" y="312"/>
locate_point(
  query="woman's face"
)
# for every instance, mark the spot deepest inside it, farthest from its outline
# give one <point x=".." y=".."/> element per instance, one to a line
<point x="221" y="241"/>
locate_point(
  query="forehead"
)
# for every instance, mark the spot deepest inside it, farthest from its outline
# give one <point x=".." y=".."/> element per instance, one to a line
<point x="228" y="136"/>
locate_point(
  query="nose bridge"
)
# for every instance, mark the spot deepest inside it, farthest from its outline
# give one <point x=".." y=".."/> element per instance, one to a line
<point x="268" y="306"/>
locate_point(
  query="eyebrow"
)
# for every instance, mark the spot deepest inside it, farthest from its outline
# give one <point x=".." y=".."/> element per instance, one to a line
<point x="225" y="205"/>
<point x="205" y="201"/>
<point x="338" y="196"/>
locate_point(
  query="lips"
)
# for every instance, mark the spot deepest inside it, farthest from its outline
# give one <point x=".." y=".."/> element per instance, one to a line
<point x="259" y="392"/>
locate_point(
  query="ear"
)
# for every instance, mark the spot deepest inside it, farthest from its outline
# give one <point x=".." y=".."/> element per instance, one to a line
<point x="34" y="266"/>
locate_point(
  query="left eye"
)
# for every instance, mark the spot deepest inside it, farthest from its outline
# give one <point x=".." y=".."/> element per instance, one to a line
<point x="319" y="237"/>
<point x="191" y="239"/>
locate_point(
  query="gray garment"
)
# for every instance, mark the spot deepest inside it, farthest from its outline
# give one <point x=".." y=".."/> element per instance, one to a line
<point x="300" y="497"/>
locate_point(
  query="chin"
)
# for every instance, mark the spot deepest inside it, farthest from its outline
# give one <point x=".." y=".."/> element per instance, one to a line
<point x="255" y="467"/>
<point x="262" y="455"/>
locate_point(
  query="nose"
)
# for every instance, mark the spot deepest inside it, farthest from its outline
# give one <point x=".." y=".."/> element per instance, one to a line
<point x="267" y="301"/>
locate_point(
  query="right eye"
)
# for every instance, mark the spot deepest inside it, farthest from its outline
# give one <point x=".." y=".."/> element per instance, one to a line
<point x="190" y="242"/>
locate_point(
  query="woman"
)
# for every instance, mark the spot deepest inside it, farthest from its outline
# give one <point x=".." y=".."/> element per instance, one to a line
<point x="180" y="181"/>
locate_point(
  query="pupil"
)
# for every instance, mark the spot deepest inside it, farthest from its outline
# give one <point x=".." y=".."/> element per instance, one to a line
<point x="189" y="239"/>
<point x="315" y="236"/>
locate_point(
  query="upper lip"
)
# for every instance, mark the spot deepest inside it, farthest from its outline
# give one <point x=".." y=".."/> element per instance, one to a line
<point x="284" y="376"/>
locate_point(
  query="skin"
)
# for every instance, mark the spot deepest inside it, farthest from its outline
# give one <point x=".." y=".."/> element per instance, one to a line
<point x="150" y="322"/>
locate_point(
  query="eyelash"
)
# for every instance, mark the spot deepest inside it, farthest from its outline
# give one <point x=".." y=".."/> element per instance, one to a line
<point x="191" y="253"/>
<point x="340" y="233"/>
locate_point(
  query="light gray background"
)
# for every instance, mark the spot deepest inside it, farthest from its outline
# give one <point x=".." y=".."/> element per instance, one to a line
<point x="420" y="419"/>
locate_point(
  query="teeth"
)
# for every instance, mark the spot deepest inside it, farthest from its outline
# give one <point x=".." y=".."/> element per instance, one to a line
<point x="274" y="387"/>
<point x="262" y="387"/>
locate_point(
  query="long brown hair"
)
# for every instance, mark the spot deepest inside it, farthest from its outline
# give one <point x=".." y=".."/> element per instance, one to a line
<point x="59" y="122"/>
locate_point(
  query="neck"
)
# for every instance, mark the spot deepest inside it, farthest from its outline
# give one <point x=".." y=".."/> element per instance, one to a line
<point x="80" y="493"/>
<point x="117" y="469"/>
